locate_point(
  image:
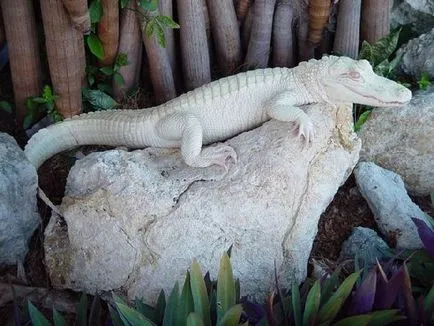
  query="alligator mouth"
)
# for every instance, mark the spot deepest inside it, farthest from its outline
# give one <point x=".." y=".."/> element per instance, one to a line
<point x="377" y="99"/>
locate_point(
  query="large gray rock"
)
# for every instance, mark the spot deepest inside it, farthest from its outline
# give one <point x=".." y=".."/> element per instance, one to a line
<point x="136" y="220"/>
<point x="401" y="140"/>
<point x="392" y="208"/>
<point x="19" y="216"/>
<point x="418" y="56"/>
<point x="418" y="13"/>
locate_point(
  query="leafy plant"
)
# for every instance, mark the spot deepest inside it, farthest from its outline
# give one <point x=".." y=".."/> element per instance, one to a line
<point x="41" y="104"/>
<point x="5" y="106"/>
<point x="424" y="81"/>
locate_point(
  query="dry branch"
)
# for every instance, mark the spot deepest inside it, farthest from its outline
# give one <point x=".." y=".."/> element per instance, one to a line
<point x="22" y="38"/>
<point x="130" y="44"/>
<point x="194" y="44"/>
<point x="66" y="57"/>
<point x="79" y="14"/>
<point x="375" y="21"/>
<point x="108" y="30"/>
<point x="348" y="28"/>
<point x="226" y="35"/>
<point x="283" y="46"/>
<point x="258" y="51"/>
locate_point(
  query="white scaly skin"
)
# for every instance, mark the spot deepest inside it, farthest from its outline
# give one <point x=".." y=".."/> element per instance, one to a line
<point x="223" y="109"/>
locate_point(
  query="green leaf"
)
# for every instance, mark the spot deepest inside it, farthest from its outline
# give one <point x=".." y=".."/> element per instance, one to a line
<point x="81" y="309"/>
<point x="159" y="35"/>
<point x="199" y="293"/>
<point x="312" y="304"/>
<point x="167" y="21"/>
<point x="39" y="100"/>
<point x="171" y="307"/>
<point x="329" y="285"/>
<point x="332" y="307"/>
<point x="149" y="5"/>
<point x="361" y="120"/>
<point x="185" y="303"/>
<point x="91" y="80"/>
<point x="95" y="311"/>
<point x="161" y="306"/>
<point x="118" y="79"/>
<point x="122" y="59"/>
<point x="124" y="3"/>
<point x="104" y="87"/>
<point x="296" y="304"/>
<point x="146" y="310"/>
<point x="225" y="287"/>
<point x="47" y="93"/>
<point x="194" y="319"/>
<point x="106" y="70"/>
<point x="384" y="317"/>
<point x="428" y="305"/>
<point x="232" y="316"/>
<point x="36" y="316"/>
<point x="424" y="81"/>
<point x="5" y="106"/>
<point x="95" y="46"/>
<point x="114" y="315"/>
<point x="58" y="318"/>
<point x="133" y="317"/>
<point x="150" y="26"/>
<point x="95" y="11"/>
<point x="100" y="100"/>
<point x="359" y="320"/>
<point x="366" y="52"/>
<point x="28" y="120"/>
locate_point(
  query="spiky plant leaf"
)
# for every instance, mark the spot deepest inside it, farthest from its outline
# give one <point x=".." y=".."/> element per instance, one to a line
<point x="131" y="316"/>
<point x="387" y="290"/>
<point x="426" y="234"/>
<point x="385" y="317"/>
<point x="160" y="307"/>
<point x="58" y="318"/>
<point x="312" y="304"/>
<point x="171" y="307"/>
<point x="146" y="310"/>
<point x="200" y="296"/>
<point x="296" y="304"/>
<point x="185" y="303"/>
<point x="81" y="317"/>
<point x="409" y="302"/>
<point x="225" y="287"/>
<point x="36" y="316"/>
<point x="194" y="319"/>
<point x="232" y="316"/>
<point x="331" y="308"/>
<point x="114" y="316"/>
<point x="95" y="311"/>
<point x="364" y="296"/>
<point x="359" y="320"/>
<point x="329" y="285"/>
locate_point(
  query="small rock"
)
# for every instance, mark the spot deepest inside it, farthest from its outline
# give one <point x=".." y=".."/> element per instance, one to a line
<point x="392" y="208"/>
<point x="136" y="220"/>
<point x="19" y="216"/>
<point x="418" y="56"/>
<point x="365" y="244"/>
<point x="401" y="140"/>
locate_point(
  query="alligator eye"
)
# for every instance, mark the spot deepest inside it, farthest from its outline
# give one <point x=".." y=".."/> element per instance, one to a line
<point x="354" y="75"/>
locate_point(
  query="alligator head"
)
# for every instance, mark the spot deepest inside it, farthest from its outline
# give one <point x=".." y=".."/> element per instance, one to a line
<point x="353" y="81"/>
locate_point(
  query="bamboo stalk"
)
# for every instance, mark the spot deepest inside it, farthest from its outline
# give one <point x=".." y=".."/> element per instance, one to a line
<point x="348" y="28"/>
<point x="22" y="38"/>
<point x="258" y="51"/>
<point x="283" y="47"/>
<point x="305" y="48"/>
<point x="226" y="35"/>
<point x="194" y="44"/>
<point x="79" y="14"/>
<point x="130" y="43"/>
<point x="246" y="30"/>
<point x="160" y="68"/>
<point x="108" y="30"/>
<point x="375" y="20"/>
<point x="319" y="11"/>
<point x="66" y="57"/>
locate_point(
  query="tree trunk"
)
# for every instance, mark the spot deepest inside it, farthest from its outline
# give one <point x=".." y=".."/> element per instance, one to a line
<point x="283" y="46"/>
<point x="130" y="43"/>
<point x="108" y="31"/>
<point x="305" y="48"/>
<point x="20" y="29"/>
<point x="246" y="30"/>
<point x="79" y="14"/>
<point x="258" y="51"/>
<point x="348" y="28"/>
<point x="194" y="44"/>
<point x="375" y="22"/>
<point x="160" y="68"/>
<point x="242" y="8"/>
<point x="66" y="57"/>
<point x="319" y="11"/>
<point x="226" y="35"/>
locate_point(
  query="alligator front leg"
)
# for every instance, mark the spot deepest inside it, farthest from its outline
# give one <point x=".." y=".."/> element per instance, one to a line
<point x="283" y="108"/>
<point x="187" y="128"/>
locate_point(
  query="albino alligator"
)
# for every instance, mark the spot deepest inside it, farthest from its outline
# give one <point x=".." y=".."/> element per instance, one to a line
<point x="223" y="109"/>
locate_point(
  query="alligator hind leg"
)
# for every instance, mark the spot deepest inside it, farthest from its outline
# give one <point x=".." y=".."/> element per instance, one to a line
<point x="187" y="128"/>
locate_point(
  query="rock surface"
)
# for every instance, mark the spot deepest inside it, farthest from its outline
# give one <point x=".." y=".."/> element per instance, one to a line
<point x="136" y="220"/>
<point x="418" y="56"/>
<point x="392" y="208"/>
<point x="418" y="13"/>
<point x="401" y="140"/>
<point x="367" y="245"/>
<point x="19" y="216"/>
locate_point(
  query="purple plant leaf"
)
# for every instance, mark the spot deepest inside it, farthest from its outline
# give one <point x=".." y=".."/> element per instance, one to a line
<point x="426" y="234"/>
<point x="253" y="311"/>
<point x="387" y="290"/>
<point x="409" y="302"/>
<point x="363" y="299"/>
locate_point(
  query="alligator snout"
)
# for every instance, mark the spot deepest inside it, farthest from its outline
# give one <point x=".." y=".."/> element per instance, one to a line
<point x="403" y="94"/>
